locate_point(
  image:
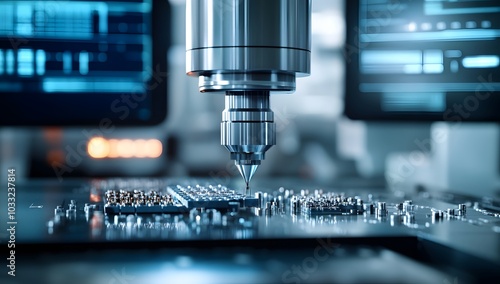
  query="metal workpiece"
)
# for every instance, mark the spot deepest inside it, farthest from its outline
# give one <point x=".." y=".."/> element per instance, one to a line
<point x="294" y="205"/>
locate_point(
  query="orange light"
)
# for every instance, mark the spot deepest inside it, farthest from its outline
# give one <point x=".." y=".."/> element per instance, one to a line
<point x="126" y="148"/>
<point x="95" y="197"/>
<point x="55" y="156"/>
<point x="113" y="148"/>
<point x="141" y="150"/>
<point x="53" y="135"/>
<point x="99" y="148"/>
<point x="154" y="148"/>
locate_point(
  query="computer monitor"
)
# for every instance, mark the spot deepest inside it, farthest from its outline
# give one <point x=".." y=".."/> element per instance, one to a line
<point x="83" y="62"/>
<point x="426" y="60"/>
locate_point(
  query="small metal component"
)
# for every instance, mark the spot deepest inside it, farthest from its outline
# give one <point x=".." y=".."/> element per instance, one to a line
<point x="274" y="208"/>
<point x="436" y="215"/>
<point x="462" y="209"/>
<point x="409" y="218"/>
<point x="268" y="209"/>
<point x="408" y="206"/>
<point x="71" y="213"/>
<point x="369" y="208"/>
<point x="450" y="212"/>
<point x="381" y="206"/>
<point x="89" y="208"/>
<point x="258" y="211"/>
<point x="399" y="206"/>
<point x="381" y="209"/>
<point x="280" y="203"/>
<point x="359" y="202"/>
<point x="58" y="210"/>
<point x="258" y="196"/>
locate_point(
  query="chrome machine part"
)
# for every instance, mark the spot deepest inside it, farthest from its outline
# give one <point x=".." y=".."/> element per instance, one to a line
<point x="248" y="48"/>
<point x="248" y="129"/>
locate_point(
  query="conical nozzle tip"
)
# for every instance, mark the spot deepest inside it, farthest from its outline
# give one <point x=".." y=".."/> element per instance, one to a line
<point x="247" y="171"/>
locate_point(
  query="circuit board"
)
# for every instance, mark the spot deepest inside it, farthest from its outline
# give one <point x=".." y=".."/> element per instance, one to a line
<point x="174" y="199"/>
<point x="127" y="213"/>
<point x="175" y="205"/>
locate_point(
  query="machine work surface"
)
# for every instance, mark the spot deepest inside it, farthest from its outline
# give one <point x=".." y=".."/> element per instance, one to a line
<point x="440" y="233"/>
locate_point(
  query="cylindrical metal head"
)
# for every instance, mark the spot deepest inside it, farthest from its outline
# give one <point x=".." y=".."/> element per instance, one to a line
<point x="248" y="44"/>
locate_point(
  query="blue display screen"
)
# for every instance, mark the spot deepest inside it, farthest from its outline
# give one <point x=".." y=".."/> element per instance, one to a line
<point x="425" y="56"/>
<point x="79" y="52"/>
